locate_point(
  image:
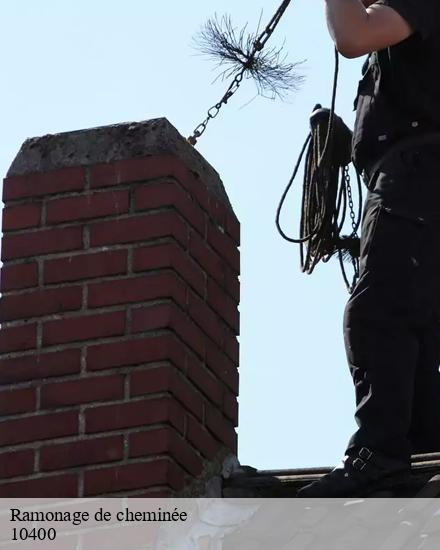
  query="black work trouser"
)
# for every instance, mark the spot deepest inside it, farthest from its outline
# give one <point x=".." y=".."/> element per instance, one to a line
<point x="392" y="319"/>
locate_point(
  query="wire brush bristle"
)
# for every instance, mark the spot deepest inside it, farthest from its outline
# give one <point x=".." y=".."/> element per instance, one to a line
<point x="238" y="50"/>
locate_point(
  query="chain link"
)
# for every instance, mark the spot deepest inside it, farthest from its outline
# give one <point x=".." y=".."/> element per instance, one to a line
<point x="354" y="224"/>
<point x="354" y="234"/>
<point x="259" y="44"/>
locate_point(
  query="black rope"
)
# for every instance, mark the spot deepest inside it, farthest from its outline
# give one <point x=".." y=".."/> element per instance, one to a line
<point x="327" y="194"/>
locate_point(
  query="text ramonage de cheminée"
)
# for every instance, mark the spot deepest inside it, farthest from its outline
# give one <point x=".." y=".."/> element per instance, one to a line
<point x="78" y="517"/>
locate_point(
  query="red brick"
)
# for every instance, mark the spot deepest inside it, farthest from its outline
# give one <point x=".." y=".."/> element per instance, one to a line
<point x="165" y="441"/>
<point x="18" y="463"/>
<point x="94" y="205"/>
<point x="143" y="227"/>
<point x="225" y="246"/>
<point x="38" y="184"/>
<point x="201" y="439"/>
<point x="232" y="347"/>
<point x="13" y="401"/>
<point x="39" y="366"/>
<point x="153" y="442"/>
<point x="85" y="266"/>
<point x="206" y="257"/>
<point x="40" y="302"/>
<point x="16" y="277"/>
<point x="59" y="486"/>
<point x="21" y="216"/>
<point x="190" y="333"/>
<point x="222" y="304"/>
<point x="18" y="338"/>
<point x="84" y="390"/>
<point x="233" y="227"/>
<point x="207" y="320"/>
<point x="46" y="241"/>
<point x="167" y="379"/>
<point x="223" y="367"/>
<point x="138" y="289"/>
<point x="169" y="193"/>
<point x="218" y="210"/>
<point x="79" y="453"/>
<point x="221" y="428"/>
<point x="36" y="427"/>
<point x="133" y="352"/>
<point x="133" y="476"/>
<point x="131" y="170"/>
<point x="172" y="256"/>
<point x="215" y="266"/>
<point x="147" y="169"/>
<point x="153" y="317"/>
<point x="156" y="493"/>
<point x="232" y="284"/>
<point x="230" y="407"/>
<point x="135" y="413"/>
<point x="193" y="183"/>
<point x="169" y="316"/>
<point x="85" y="327"/>
<point x="204" y="380"/>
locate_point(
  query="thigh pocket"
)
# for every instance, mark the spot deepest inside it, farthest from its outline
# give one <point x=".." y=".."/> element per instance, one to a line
<point x="369" y="223"/>
<point x="392" y="242"/>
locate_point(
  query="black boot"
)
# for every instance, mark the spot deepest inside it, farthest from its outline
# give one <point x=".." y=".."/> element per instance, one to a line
<point x="359" y="475"/>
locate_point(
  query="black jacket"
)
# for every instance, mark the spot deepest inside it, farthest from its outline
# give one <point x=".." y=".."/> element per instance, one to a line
<point x="399" y="93"/>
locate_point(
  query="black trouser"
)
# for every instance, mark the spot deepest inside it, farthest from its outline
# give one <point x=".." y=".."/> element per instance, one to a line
<point x="392" y="319"/>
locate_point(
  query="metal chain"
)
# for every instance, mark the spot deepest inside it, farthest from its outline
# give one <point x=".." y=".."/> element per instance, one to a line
<point x="355" y="226"/>
<point x="354" y="223"/>
<point x="259" y="44"/>
<point x="268" y="31"/>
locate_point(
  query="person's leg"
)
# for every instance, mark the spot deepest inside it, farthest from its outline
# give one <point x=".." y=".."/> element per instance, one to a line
<point x="425" y="429"/>
<point x="382" y="350"/>
<point x="380" y="333"/>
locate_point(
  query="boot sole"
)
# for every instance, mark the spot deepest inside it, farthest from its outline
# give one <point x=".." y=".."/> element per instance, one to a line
<point x="387" y="487"/>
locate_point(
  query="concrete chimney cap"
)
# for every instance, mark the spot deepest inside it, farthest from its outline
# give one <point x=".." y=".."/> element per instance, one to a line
<point x="106" y="144"/>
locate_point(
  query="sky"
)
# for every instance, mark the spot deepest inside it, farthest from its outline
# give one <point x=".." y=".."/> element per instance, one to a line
<point x="74" y="64"/>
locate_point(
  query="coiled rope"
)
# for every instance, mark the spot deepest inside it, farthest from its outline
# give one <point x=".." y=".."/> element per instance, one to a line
<point x="327" y="193"/>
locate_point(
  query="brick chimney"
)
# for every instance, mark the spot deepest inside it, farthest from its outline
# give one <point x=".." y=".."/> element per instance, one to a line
<point x="118" y="348"/>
